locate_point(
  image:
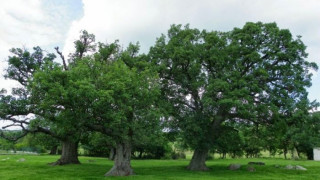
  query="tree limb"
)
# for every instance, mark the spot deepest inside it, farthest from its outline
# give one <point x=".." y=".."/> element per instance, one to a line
<point x="62" y="57"/>
<point x="12" y="138"/>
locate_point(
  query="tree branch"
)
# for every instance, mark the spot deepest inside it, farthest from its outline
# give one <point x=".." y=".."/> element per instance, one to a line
<point x="62" y="57"/>
<point x="12" y="138"/>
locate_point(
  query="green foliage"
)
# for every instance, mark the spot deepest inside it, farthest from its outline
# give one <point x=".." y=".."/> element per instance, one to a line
<point x="43" y="141"/>
<point x="6" y="145"/>
<point x="153" y="146"/>
<point x="23" y="64"/>
<point x="229" y="142"/>
<point x="28" y="143"/>
<point x="62" y="96"/>
<point x="39" y="143"/>
<point x="252" y="75"/>
<point x="83" y="45"/>
<point x="97" y="144"/>
<point x="111" y="91"/>
<point x="178" y="155"/>
<point x="235" y="92"/>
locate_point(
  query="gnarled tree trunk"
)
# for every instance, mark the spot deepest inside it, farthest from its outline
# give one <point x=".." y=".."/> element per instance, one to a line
<point x="122" y="166"/>
<point x="69" y="153"/>
<point x="198" y="161"/>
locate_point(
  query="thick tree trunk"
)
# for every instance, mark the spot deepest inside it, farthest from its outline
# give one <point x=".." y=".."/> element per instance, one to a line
<point x="122" y="166"/>
<point x="112" y="154"/>
<point x="53" y="150"/>
<point x="198" y="161"/>
<point x="69" y="153"/>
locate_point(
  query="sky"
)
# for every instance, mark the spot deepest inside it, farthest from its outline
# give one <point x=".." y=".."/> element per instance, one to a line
<point x="51" y="23"/>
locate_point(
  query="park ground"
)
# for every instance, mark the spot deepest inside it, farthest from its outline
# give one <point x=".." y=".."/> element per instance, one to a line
<point x="35" y="167"/>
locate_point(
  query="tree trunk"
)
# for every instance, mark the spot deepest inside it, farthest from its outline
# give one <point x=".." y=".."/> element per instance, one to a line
<point x="198" y="161"/>
<point x="285" y="153"/>
<point x="112" y="154"/>
<point x="122" y="166"/>
<point x="224" y="155"/>
<point x="298" y="153"/>
<point x="310" y="154"/>
<point x="69" y="154"/>
<point x="53" y="150"/>
<point x="140" y="154"/>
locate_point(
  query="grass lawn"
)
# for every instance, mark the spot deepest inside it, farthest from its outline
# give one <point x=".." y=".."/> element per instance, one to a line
<point x="35" y="167"/>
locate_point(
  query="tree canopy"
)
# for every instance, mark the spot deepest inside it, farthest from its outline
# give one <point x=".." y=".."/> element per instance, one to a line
<point x="248" y="75"/>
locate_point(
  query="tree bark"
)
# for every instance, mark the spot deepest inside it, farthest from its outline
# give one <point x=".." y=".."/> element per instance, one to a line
<point x="53" y="150"/>
<point x="122" y="165"/>
<point x="69" y="154"/>
<point x="112" y="154"/>
<point x="198" y="161"/>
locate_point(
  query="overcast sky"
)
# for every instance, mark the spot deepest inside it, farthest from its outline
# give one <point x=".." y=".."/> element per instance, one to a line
<point x="50" y="23"/>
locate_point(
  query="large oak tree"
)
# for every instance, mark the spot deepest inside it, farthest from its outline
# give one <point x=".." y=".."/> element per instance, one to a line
<point x="111" y="91"/>
<point x="29" y="108"/>
<point x="249" y="74"/>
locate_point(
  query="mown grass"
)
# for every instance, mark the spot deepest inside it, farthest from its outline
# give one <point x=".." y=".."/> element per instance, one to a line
<point x="35" y="167"/>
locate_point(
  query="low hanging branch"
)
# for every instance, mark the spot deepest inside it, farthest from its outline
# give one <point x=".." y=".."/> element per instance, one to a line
<point x="2" y="134"/>
<point x="22" y="124"/>
<point x="62" y="57"/>
<point x="14" y="124"/>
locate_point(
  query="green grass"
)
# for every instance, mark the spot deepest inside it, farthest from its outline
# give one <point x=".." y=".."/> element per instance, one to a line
<point x="35" y="167"/>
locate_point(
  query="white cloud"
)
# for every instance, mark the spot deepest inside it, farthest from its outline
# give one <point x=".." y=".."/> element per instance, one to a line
<point x="145" y="20"/>
<point x="29" y="23"/>
<point x="24" y="22"/>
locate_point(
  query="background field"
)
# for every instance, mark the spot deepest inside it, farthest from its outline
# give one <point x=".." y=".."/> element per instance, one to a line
<point x="35" y="167"/>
